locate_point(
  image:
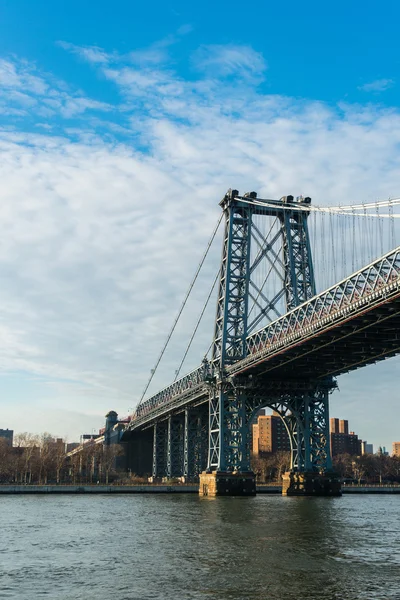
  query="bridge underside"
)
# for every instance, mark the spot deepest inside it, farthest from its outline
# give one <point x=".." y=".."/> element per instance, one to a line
<point x="371" y="336"/>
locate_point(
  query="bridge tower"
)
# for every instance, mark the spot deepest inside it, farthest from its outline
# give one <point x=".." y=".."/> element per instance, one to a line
<point x="235" y="399"/>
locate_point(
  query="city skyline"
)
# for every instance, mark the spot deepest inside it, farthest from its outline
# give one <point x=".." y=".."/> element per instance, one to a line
<point x="116" y="149"/>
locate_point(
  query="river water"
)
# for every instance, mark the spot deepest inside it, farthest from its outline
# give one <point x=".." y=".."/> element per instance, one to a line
<point x="181" y="547"/>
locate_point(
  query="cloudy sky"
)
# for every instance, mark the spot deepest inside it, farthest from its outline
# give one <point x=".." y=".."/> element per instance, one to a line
<point x="121" y="127"/>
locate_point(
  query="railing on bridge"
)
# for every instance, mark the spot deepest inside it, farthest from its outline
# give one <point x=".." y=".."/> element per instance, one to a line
<point x="190" y="381"/>
<point x="349" y="295"/>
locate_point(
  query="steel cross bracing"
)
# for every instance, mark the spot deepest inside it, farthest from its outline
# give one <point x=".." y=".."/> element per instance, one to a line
<point x="228" y="444"/>
<point x="231" y="318"/>
<point x="299" y="273"/>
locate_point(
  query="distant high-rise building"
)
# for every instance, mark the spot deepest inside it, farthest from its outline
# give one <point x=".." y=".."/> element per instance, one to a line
<point x="396" y="449"/>
<point x="367" y="448"/>
<point x="334" y="425"/>
<point x="8" y="434"/>
<point x="269" y="435"/>
<point x="343" y="442"/>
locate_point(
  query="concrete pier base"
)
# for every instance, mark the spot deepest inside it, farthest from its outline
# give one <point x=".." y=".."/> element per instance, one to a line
<point x="221" y="483"/>
<point x="310" y="484"/>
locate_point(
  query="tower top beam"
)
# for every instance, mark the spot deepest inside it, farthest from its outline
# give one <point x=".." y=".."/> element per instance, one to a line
<point x="266" y="206"/>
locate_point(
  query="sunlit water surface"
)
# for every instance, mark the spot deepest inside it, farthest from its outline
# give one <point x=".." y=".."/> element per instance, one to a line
<point x="141" y="547"/>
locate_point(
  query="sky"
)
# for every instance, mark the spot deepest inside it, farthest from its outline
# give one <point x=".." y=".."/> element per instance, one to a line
<point x="122" y="125"/>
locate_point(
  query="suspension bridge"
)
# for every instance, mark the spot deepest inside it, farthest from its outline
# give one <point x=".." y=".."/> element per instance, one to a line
<point x="277" y="343"/>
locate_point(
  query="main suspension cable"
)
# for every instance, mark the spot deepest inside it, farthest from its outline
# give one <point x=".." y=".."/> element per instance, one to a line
<point x="153" y="370"/>
<point x="197" y="326"/>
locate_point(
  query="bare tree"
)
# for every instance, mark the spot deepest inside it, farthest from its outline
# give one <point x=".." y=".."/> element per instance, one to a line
<point x="281" y="463"/>
<point x="29" y="444"/>
<point x="108" y="459"/>
<point x="59" y="457"/>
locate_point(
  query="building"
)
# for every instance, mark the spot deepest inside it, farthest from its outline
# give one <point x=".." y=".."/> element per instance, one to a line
<point x="367" y="448"/>
<point x="269" y="435"/>
<point x="343" y="442"/>
<point x="396" y="449"/>
<point x="8" y="435"/>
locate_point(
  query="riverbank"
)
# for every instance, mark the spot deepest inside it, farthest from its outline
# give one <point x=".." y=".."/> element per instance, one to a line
<point x="166" y="489"/>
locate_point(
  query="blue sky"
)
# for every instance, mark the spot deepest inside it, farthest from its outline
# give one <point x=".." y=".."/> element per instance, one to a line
<point x="121" y="126"/>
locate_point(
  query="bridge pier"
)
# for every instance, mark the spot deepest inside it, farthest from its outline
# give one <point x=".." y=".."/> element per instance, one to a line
<point x="310" y="484"/>
<point x="223" y="483"/>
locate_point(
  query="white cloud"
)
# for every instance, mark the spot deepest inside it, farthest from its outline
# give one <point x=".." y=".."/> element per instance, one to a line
<point x="227" y="60"/>
<point x="25" y="92"/>
<point x="99" y="238"/>
<point x="91" y="54"/>
<point x="379" y="85"/>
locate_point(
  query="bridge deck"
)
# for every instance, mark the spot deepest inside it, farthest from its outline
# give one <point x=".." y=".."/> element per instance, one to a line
<point x="352" y="324"/>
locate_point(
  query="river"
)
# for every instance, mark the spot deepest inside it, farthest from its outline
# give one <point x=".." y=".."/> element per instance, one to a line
<point x="182" y="547"/>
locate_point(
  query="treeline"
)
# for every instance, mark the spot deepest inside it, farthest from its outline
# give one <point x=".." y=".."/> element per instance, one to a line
<point x="368" y="468"/>
<point x="42" y="459"/>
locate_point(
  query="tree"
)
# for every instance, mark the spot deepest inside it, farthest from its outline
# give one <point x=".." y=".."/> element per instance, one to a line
<point x="381" y="466"/>
<point x="29" y="444"/>
<point x="109" y="457"/>
<point x="281" y="464"/>
<point x="59" y="457"/>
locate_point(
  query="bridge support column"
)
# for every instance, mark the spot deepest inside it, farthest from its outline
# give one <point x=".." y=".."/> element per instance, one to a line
<point x="195" y="444"/>
<point x="160" y="449"/>
<point x="228" y="472"/>
<point x="175" y="441"/>
<point x="311" y="472"/>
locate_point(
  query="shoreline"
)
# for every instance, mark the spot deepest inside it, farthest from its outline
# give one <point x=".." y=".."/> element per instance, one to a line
<point x="164" y="489"/>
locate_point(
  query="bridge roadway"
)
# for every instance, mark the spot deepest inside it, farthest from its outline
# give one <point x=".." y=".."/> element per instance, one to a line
<point x="352" y="324"/>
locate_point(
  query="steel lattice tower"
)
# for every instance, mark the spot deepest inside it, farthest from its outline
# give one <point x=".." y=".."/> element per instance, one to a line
<point x="234" y="400"/>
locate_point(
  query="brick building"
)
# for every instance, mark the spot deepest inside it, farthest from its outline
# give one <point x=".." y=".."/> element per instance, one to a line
<point x="269" y="435"/>
<point x="396" y="449"/>
<point x="343" y="442"/>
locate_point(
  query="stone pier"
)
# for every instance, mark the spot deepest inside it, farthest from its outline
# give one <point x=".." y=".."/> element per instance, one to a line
<point x="310" y="484"/>
<point x="221" y="483"/>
